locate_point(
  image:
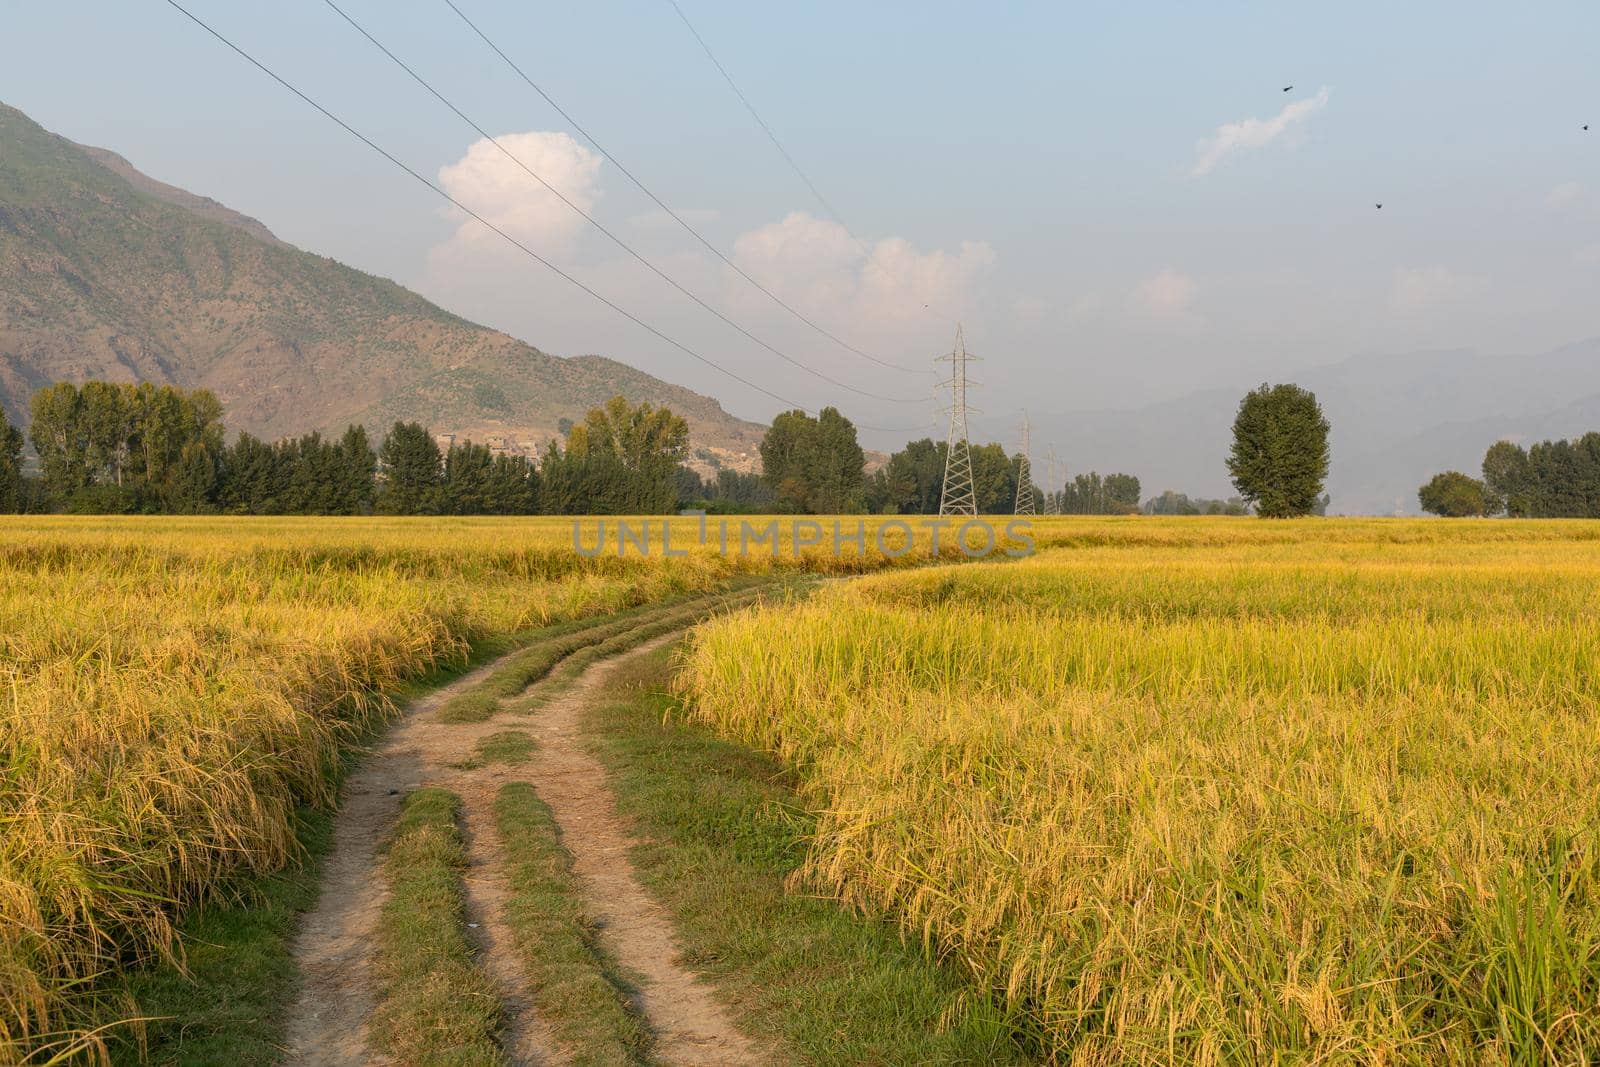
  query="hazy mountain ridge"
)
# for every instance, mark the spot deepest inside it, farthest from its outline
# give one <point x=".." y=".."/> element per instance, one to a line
<point x="1397" y="420"/>
<point x="106" y="273"/>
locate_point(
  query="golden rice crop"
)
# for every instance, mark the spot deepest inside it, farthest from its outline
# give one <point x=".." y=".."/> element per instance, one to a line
<point x="173" y="688"/>
<point x="1215" y="791"/>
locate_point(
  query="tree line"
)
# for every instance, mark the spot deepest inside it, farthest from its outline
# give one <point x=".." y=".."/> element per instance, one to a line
<point x="108" y="447"/>
<point x="1550" y="480"/>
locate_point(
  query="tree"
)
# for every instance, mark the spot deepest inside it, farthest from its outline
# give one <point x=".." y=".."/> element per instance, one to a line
<point x="994" y="478"/>
<point x="1454" y="495"/>
<point x="1175" y="503"/>
<point x="11" y="485"/>
<point x="58" y="437"/>
<point x="357" y="467"/>
<point x="1506" y="479"/>
<point x="836" y="464"/>
<point x="1552" y="479"/>
<point x="467" y="468"/>
<point x="623" y="459"/>
<point x="512" y="487"/>
<point x="117" y="447"/>
<point x="1280" y="451"/>
<point x="785" y="454"/>
<point x="413" y="475"/>
<point x="909" y="483"/>
<point x="1122" y="494"/>
<point x="814" y="464"/>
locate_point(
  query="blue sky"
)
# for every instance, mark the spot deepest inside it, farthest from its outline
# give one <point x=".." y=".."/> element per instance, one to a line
<point x="1028" y="168"/>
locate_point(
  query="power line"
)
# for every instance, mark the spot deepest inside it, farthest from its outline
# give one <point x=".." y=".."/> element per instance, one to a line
<point x="625" y="313"/>
<point x="829" y="208"/>
<point x="619" y="242"/>
<point x="696" y="234"/>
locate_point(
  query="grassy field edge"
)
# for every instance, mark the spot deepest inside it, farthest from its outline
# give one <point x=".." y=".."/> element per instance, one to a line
<point x="723" y="838"/>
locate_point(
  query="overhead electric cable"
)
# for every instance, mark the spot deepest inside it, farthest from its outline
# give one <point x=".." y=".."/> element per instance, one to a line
<point x="619" y="242"/>
<point x="715" y="62"/>
<point x="689" y="229"/>
<point x="624" y="312"/>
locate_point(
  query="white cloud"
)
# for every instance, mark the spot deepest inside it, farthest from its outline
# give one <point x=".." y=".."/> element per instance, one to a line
<point x="818" y="263"/>
<point x="1422" y="287"/>
<point x="1166" y="294"/>
<point x="1565" y="195"/>
<point x="1254" y="133"/>
<point x="495" y="187"/>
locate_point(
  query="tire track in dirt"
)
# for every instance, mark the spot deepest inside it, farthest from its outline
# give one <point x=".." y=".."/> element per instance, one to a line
<point x="689" y="1024"/>
<point x="335" y="944"/>
<point x="333" y="947"/>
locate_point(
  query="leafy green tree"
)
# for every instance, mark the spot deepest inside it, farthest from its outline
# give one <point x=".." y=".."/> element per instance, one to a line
<point x="1175" y="503"/>
<point x="1454" y="495"/>
<point x="511" y="487"/>
<point x="109" y="446"/>
<point x="1280" y="451"/>
<point x="836" y="465"/>
<point x="11" y="483"/>
<point x="59" y="438"/>
<point x="467" y="467"/>
<point x="693" y="490"/>
<point x="357" y="468"/>
<point x="413" y="471"/>
<point x="623" y="458"/>
<point x="994" y="478"/>
<point x="785" y="456"/>
<point x="730" y="492"/>
<point x="1559" y="479"/>
<point x="1090" y="494"/>
<point x="1507" y="479"/>
<point x="814" y="464"/>
<point x="1122" y="494"/>
<point x="557" y="478"/>
<point x="249" y="477"/>
<point x="909" y="483"/>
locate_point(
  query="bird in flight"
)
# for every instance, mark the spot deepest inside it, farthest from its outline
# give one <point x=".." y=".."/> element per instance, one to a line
<point x="1586" y="125"/>
<point x="1286" y="88"/>
<point x="1379" y="207"/>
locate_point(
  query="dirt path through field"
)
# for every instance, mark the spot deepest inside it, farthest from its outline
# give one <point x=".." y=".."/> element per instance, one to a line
<point x="333" y="945"/>
<point x="690" y="1026"/>
<point x="336" y="941"/>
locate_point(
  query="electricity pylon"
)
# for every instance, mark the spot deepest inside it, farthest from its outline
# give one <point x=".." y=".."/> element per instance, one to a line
<point x="1052" y="502"/>
<point x="1024" y="474"/>
<point x="956" y="495"/>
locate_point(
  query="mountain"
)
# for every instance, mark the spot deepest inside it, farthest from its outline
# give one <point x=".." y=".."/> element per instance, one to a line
<point x="1397" y="420"/>
<point x="107" y="273"/>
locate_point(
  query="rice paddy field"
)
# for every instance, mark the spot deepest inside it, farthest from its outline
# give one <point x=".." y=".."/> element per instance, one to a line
<point x="1184" y="790"/>
<point x="1213" y="791"/>
<point x="173" y="690"/>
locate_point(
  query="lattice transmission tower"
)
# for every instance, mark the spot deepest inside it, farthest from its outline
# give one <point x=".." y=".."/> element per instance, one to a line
<point x="956" y="495"/>
<point x="1025" y="505"/>
<point x="1052" y="499"/>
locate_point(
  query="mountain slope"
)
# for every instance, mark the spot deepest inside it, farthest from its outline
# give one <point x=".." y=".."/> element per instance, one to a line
<point x="106" y="273"/>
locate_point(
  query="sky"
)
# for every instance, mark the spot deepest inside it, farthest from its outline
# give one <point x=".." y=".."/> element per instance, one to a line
<point x="1118" y="201"/>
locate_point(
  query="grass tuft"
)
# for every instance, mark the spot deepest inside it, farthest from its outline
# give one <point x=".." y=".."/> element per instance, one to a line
<point x="576" y="989"/>
<point x="436" y="1005"/>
